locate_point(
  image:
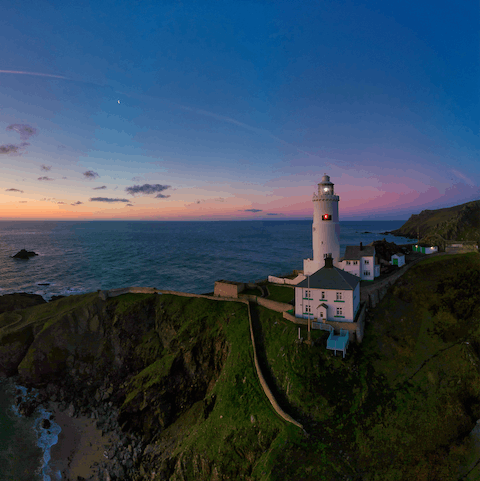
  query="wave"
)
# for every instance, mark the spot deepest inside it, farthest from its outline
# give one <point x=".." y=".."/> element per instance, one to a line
<point x="46" y="437"/>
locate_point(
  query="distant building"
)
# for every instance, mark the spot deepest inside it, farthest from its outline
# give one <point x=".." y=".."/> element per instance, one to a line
<point x="329" y="294"/>
<point x="361" y="262"/>
<point x="425" y="249"/>
<point x="398" y="260"/>
<point x="460" y="247"/>
<point x="225" y="288"/>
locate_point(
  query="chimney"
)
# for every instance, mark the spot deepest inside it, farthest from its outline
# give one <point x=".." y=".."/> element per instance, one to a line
<point x="361" y="246"/>
<point x="328" y="262"/>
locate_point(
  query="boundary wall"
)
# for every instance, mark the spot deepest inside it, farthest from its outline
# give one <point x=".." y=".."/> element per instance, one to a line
<point x="265" y="387"/>
<point x="284" y="280"/>
<point x="151" y="290"/>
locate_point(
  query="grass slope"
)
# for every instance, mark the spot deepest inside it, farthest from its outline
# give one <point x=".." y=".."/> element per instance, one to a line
<point x="401" y="404"/>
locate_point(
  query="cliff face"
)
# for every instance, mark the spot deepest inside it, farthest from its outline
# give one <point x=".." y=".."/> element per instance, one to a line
<point x="461" y="222"/>
<point x="156" y="360"/>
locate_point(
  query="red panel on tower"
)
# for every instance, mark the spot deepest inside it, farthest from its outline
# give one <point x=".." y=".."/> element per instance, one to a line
<point x="326" y="217"/>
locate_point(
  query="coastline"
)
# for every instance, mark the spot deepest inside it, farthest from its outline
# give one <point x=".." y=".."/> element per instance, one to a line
<point x="80" y="449"/>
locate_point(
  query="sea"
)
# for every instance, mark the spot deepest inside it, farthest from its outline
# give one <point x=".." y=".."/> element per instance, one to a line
<point x="77" y="257"/>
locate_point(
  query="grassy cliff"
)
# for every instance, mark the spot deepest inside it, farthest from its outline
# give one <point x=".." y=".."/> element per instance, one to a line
<point x="461" y="222"/>
<point x="180" y="371"/>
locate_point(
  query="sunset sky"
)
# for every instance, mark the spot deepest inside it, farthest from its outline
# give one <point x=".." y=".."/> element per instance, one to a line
<point x="202" y="110"/>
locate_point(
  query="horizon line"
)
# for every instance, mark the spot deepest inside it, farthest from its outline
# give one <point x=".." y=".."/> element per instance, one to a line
<point x="192" y="220"/>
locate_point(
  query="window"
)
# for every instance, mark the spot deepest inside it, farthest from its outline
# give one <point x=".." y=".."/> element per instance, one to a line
<point x="366" y="273"/>
<point x="323" y="295"/>
<point x="339" y="311"/>
<point x="355" y="263"/>
<point x="308" y="309"/>
<point x="367" y="261"/>
<point x="307" y="293"/>
<point x="348" y="263"/>
<point x="339" y="296"/>
<point x="321" y="315"/>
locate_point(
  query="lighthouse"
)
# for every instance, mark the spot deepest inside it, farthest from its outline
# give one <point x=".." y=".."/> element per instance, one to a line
<point x="325" y="228"/>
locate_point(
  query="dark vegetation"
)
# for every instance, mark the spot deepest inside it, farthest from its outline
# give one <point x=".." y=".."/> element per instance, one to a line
<point x="460" y="222"/>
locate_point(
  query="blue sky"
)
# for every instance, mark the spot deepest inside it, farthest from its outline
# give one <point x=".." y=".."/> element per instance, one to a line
<point x="234" y="110"/>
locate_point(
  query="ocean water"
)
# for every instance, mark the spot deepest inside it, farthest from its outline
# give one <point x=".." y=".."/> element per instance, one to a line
<point x="78" y="257"/>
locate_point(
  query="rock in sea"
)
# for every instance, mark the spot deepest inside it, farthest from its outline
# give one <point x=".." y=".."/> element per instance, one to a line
<point x="24" y="254"/>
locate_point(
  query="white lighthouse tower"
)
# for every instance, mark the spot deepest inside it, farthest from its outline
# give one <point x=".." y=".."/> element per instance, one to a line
<point x="325" y="228"/>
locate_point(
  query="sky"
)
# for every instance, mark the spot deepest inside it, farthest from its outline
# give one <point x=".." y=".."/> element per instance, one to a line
<point x="202" y="110"/>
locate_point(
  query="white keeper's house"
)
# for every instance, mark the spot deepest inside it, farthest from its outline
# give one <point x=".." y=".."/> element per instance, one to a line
<point x="330" y="294"/>
<point x="361" y="262"/>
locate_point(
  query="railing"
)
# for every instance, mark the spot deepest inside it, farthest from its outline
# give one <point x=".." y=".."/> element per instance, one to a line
<point x="338" y="343"/>
<point x="322" y="326"/>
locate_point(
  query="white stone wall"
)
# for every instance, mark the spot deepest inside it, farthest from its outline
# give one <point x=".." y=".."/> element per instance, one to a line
<point x="349" y="303"/>
<point x="367" y="264"/>
<point x="310" y="266"/>
<point x="325" y="233"/>
<point x="351" y="268"/>
<point x="284" y="280"/>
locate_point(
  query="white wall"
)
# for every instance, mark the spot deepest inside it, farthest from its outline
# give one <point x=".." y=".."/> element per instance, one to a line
<point x="401" y="260"/>
<point x="368" y="264"/>
<point x="284" y="280"/>
<point x="352" y="268"/>
<point x="349" y="304"/>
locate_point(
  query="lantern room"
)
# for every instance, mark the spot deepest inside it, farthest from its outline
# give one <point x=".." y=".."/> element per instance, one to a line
<point x="325" y="187"/>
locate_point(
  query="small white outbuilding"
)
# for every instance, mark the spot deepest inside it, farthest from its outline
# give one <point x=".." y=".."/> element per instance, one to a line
<point x="398" y="260"/>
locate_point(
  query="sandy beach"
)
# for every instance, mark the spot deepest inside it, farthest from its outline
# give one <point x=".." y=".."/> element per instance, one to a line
<point x="80" y="445"/>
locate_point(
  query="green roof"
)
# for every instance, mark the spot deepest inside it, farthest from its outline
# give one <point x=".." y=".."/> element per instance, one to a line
<point x="331" y="278"/>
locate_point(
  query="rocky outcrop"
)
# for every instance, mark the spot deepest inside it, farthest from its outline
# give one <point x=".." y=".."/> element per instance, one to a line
<point x="24" y="254"/>
<point x="461" y="222"/>
<point x="21" y="300"/>
<point x="385" y="250"/>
